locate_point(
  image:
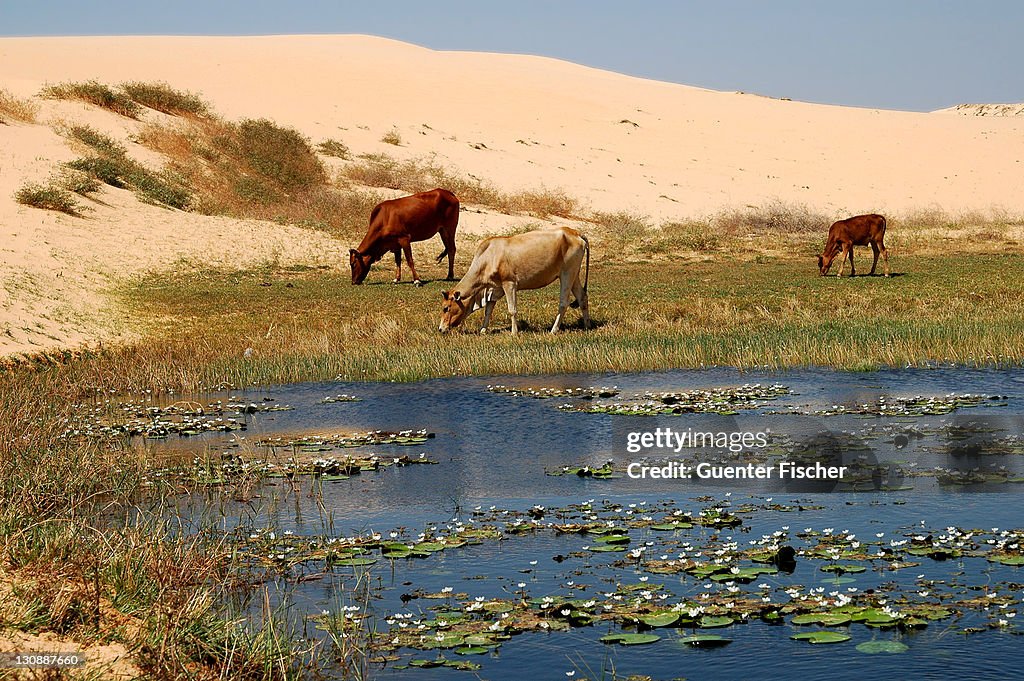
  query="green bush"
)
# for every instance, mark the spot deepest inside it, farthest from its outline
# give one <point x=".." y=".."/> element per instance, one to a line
<point x="48" y="198"/>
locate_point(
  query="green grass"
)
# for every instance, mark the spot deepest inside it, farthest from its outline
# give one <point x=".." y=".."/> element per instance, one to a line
<point x="777" y="314"/>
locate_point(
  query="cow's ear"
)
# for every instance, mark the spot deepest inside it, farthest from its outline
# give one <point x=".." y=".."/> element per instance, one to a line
<point x="456" y="296"/>
<point x="444" y="295"/>
<point x="353" y="251"/>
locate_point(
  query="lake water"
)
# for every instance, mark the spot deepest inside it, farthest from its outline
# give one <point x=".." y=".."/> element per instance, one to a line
<point x="494" y="450"/>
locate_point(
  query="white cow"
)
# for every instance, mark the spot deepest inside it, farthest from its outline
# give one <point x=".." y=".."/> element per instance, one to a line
<point x="504" y="265"/>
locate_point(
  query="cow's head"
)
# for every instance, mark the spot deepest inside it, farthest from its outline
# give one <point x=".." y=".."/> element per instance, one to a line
<point x="360" y="264"/>
<point x="825" y="260"/>
<point x="454" y="309"/>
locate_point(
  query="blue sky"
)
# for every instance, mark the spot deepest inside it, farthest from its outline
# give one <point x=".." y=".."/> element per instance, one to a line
<point x="897" y="54"/>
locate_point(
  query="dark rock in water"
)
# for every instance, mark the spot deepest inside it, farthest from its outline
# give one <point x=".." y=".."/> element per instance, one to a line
<point x="785" y="559"/>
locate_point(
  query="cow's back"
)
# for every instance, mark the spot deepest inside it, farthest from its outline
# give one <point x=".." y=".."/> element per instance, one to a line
<point x="858" y="230"/>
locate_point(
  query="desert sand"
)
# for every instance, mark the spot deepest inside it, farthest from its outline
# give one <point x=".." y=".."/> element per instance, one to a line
<point x="613" y="141"/>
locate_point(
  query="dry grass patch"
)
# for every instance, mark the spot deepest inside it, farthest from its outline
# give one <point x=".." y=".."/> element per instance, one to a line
<point x="773" y="217"/>
<point x="258" y="169"/>
<point x="162" y="97"/>
<point x="95" y="93"/>
<point x="17" y="109"/>
<point x="392" y="136"/>
<point x="425" y="173"/>
<point x="335" y="148"/>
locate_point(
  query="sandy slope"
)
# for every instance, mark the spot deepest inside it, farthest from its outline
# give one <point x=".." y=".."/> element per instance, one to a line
<point x="614" y="141"/>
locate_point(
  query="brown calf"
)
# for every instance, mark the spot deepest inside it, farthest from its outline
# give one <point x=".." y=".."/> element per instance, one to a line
<point x="856" y="231"/>
<point x="395" y="224"/>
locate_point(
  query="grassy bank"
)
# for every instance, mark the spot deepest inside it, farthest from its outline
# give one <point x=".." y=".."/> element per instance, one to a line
<point x="275" y="325"/>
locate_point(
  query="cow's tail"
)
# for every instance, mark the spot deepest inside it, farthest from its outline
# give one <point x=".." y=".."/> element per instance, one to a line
<point x="586" y="272"/>
<point x="441" y="257"/>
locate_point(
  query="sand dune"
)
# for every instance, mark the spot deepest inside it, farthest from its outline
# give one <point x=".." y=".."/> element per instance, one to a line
<point x="615" y="142"/>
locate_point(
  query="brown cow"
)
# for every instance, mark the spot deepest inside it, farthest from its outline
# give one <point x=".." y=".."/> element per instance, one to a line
<point x="856" y="231"/>
<point x="395" y="224"/>
<point x="504" y="265"/>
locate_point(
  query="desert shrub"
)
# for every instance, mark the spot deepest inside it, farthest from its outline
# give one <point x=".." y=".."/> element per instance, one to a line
<point x="78" y="182"/>
<point x="335" y="148"/>
<point x="17" y="109"/>
<point x="111" y="165"/>
<point x="162" y="97"/>
<point x="776" y="217"/>
<point x="281" y="158"/>
<point x="683" y="236"/>
<point x="392" y="136"/>
<point x="95" y="139"/>
<point x="95" y="93"/>
<point x="623" y="227"/>
<point x="48" y="197"/>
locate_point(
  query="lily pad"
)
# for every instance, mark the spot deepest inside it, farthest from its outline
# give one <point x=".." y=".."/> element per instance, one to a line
<point x="630" y="639"/>
<point x="708" y="622"/>
<point x="821" y="637"/>
<point x="661" y="619"/>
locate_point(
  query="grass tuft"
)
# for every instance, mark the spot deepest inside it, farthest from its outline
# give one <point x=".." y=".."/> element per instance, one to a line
<point x="335" y="148"/>
<point x="17" y="109"/>
<point x="162" y="97"/>
<point x="95" y="93"/>
<point x="392" y="136"/>
<point x="48" y="197"/>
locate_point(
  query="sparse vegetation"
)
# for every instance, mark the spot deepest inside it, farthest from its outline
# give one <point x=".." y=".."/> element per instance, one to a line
<point x="162" y="97"/>
<point x="335" y="148"/>
<point x="17" y="109"/>
<point x="111" y="165"/>
<point x="776" y="217"/>
<point x="95" y="93"/>
<point x="422" y="174"/>
<point x="392" y="136"/>
<point x="48" y="197"/>
<point x="78" y="182"/>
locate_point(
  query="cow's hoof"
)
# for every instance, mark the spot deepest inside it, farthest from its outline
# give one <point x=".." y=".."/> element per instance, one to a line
<point x="417" y="282"/>
<point x="395" y="281"/>
<point x="483" y="332"/>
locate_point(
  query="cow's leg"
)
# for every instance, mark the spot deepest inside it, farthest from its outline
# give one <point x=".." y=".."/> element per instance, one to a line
<point x="885" y="258"/>
<point x="492" y="296"/>
<point x="510" y="298"/>
<point x="448" y="239"/>
<point x="849" y="248"/>
<point x="407" y="247"/>
<point x="874" y="264"/>
<point x="842" y="263"/>
<point x="580" y="295"/>
<point x="398" y="266"/>
<point x="563" y="300"/>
